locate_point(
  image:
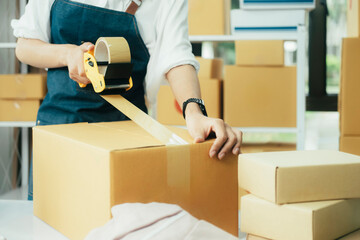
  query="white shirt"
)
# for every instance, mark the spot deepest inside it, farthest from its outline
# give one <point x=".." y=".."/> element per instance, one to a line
<point x="162" y="23"/>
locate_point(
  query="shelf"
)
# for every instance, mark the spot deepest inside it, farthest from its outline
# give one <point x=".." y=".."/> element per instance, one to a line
<point x="260" y="35"/>
<point x="267" y="130"/>
<point x="7" y="45"/>
<point x="17" y="124"/>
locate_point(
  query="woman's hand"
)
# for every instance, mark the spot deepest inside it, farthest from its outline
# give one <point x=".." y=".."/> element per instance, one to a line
<point x="228" y="140"/>
<point x="75" y="62"/>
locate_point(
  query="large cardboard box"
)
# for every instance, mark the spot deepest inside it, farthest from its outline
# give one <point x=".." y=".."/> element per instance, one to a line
<point x="353" y="18"/>
<point x="23" y="86"/>
<point x="19" y="110"/>
<point x="352" y="236"/>
<point x="300" y="176"/>
<point x="210" y="68"/>
<point x="259" y="52"/>
<point x="349" y="98"/>
<point x="170" y="112"/>
<point x="209" y="17"/>
<point x="82" y="170"/>
<point x="300" y="221"/>
<point x="277" y="4"/>
<point x="350" y="144"/>
<point x="260" y="96"/>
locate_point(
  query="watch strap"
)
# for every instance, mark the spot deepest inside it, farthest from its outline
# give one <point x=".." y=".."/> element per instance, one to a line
<point x="199" y="101"/>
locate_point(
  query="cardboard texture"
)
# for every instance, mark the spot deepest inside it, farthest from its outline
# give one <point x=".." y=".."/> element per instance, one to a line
<point x="253" y="237"/>
<point x="300" y="221"/>
<point x="82" y="170"/>
<point x="349" y="98"/>
<point x="210" y="68"/>
<point x="169" y="112"/>
<point x="19" y="110"/>
<point x="260" y="96"/>
<point x="259" y="52"/>
<point x="209" y="17"/>
<point x="353" y="18"/>
<point x="300" y="176"/>
<point x="352" y="236"/>
<point x="350" y="144"/>
<point x="23" y="86"/>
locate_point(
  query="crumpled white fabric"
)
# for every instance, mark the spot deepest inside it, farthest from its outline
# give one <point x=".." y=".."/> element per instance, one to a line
<point x="155" y="221"/>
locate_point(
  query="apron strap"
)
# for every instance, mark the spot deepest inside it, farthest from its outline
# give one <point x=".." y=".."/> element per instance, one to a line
<point x="133" y="7"/>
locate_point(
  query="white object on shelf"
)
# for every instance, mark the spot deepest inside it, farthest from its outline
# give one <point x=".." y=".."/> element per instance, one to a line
<point x="268" y="22"/>
<point x="277" y="4"/>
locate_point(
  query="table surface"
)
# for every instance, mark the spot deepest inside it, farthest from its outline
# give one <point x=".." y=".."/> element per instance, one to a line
<point x="17" y="222"/>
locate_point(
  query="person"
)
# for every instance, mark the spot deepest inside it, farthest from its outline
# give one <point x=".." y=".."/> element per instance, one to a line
<point x="55" y="34"/>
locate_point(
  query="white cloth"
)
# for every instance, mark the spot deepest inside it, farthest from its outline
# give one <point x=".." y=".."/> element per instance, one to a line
<point x="162" y="24"/>
<point x="155" y="221"/>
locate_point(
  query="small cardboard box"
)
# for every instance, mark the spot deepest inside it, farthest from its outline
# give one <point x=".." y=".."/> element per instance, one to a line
<point x="209" y="17"/>
<point x="23" y="86"/>
<point x="349" y="97"/>
<point x="82" y="170"/>
<point x="170" y="112"/>
<point x="352" y="236"/>
<point x="300" y="221"/>
<point x="210" y="68"/>
<point x="353" y="18"/>
<point x="259" y="52"/>
<point x="260" y="96"/>
<point x="19" y="110"/>
<point x="300" y="176"/>
<point x="350" y="144"/>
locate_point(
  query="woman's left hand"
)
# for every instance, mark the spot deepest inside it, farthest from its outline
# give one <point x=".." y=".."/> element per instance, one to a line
<point x="228" y="140"/>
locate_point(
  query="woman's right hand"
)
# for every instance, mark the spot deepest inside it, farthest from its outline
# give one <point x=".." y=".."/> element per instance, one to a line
<point x="75" y="62"/>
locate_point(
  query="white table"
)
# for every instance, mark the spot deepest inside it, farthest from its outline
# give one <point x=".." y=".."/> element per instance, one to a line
<point x="17" y="222"/>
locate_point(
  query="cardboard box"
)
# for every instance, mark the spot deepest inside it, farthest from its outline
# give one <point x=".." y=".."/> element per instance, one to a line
<point x="300" y="176"/>
<point x="352" y="236"/>
<point x="253" y="237"/>
<point x="350" y="144"/>
<point x="267" y="147"/>
<point x="169" y="111"/>
<point x="23" y="86"/>
<point x="259" y="52"/>
<point x="82" y="170"/>
<point x="209" y="17"/>
<point x="349" y="98"/>
<point x="210" y="68"/>
<point x="300" y="221"/>
<point x="352" y="22"/>
<point x="19" y="110"/>
<point x="273" y="23"/>
<point x="277" y="4"/>
<point x="260" y="96"/>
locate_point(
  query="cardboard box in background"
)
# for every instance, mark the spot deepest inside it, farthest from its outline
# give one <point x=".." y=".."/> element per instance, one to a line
<point x="267" y="147"/>
<point x="22" y="86"/>
<point x="350" y="144"/>
<point x="210" y="68"/>
<point x="253" y="237"/>
<point x="260" y="96"/>
<point x="209" y="17"/>
<point x="352" y="22"/>
<point x="352" y="236"/>
<point x="96" y="166"/>
<point x="300" y="176"/>
<point x="170" y="113"/>
<point x="19" y="110"/>
<point x="259" y="52"/>
<point x="300" y="221"/>
<point x="349" y="97"/>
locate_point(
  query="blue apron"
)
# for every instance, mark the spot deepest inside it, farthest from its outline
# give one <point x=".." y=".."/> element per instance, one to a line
<point x="66" y="102"/>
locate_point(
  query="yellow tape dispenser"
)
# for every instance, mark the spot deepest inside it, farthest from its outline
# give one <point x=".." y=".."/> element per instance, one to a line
<point x="108" y="66"/>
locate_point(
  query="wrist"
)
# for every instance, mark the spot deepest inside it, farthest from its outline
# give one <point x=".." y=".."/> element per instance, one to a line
<point x="67" y="53"/>
<point x="192" y="109"/>
<point x="194" y="106"/>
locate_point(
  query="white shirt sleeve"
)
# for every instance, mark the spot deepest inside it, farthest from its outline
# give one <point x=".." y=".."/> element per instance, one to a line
<point x="35" y="23"/>
<point x="172" y="46"/>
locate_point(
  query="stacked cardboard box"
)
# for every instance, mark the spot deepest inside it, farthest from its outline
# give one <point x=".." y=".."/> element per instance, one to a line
<point x="259" y="91"/>
<point x="20" y="96"/>
<point x="350" y="85"/>
<point x="210" y="79"/>
<point x="305" y="195"/>
<point x="209" y="17"/>
<point x="82" y="170"/>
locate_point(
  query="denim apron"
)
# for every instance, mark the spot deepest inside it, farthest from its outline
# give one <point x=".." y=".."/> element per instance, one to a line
<point x="66" y="102"/>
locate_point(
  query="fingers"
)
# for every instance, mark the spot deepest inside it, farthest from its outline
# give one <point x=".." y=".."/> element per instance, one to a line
<point x="76" y="66"/>
<point x="87" y="46"/>
<point x="221" y="137"/>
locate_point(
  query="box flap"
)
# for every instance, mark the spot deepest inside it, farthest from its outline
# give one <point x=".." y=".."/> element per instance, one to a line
<point x="108" y="136"/>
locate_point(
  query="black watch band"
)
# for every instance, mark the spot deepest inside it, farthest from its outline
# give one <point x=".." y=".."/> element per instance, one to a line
<point x="200" y="102"/>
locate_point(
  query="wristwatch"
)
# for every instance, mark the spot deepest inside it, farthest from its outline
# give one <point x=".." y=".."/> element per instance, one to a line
<point x="199" y="101"/>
